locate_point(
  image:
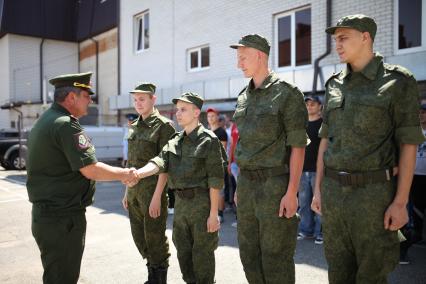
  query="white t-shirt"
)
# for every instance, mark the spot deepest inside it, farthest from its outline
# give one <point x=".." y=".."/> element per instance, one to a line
<point x="421" y="158"/>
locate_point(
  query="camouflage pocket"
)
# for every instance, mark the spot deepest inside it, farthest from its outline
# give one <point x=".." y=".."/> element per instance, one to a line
<point x="370" y="117"/>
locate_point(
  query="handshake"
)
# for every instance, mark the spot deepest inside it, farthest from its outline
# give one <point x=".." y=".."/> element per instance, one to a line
<point x="130" y="177"/>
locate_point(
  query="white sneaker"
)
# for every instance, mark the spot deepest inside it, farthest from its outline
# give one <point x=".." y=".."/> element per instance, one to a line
<point x="235" y="224"/>
<point x="171" y="211"/>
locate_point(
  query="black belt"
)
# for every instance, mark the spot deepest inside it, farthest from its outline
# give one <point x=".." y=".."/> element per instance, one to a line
<point x="187" y="193"/>
<point x="358" y="178"/>
<point x="263" y="174"/>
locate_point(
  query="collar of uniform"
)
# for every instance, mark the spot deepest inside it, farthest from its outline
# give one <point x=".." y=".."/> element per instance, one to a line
<point x="60" y="108"/>
<point x="149" y="121"/>
<point x="370" y="70"/>
<point x="193" y="136"/>
<point x="272" y="78"/>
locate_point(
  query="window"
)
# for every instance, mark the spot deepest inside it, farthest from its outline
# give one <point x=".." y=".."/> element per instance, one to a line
<point x="293" y="38"/>
<point x="141" y="31"/>
<point x="410" y="25"/>
<point x="198" y="58"/>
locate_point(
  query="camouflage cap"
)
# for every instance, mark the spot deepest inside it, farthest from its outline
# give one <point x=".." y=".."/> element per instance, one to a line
<point x="358" y="22"/>
<point x="79" y="80"/>
<point x="192" y="98"/>
<point x="144" y="87"/>
<point x="255" y="41"/>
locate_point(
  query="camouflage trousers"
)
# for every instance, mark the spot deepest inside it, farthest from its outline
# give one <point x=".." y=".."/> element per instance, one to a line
<point x="357" y="247"/>
<point x="267" y="242"/>
<point x="148" y="233"/>
<point x="195" y="246"/>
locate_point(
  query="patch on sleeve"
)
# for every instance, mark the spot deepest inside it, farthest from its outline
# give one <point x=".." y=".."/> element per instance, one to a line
<point x="82" y="141"/>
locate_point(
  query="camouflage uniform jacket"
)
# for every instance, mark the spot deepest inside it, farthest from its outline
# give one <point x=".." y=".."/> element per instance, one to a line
<point x="368" y="114"/>
<point x="270" y="119"/>
<point x="57" y="149"/>
<point x="146" y="138"/>
<point x="193" y="160"/>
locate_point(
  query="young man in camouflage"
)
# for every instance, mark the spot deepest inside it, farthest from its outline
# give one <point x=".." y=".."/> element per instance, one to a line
<point x="272" y="118"/>
<point x="147" y="201"/>
<point x="367" y="155"/>
<point x="61" y="173"/>
<point x="194" y="161"/>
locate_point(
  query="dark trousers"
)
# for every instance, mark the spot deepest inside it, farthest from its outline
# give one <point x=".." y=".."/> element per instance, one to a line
<point x="61" y="243"/>
<point x="418" y="200"/>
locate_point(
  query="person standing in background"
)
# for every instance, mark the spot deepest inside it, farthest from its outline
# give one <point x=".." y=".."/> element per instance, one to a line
<point x="214" y="125"/>
<point x="310" y="222"/>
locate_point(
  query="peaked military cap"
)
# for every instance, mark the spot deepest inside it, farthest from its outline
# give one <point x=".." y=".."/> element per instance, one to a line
<point x="255" y="41"/>
<point x="192" y="98"/>
<point x="79" y="80"/>
<point x="358" y="22"/>
<point x="144" y="87"/>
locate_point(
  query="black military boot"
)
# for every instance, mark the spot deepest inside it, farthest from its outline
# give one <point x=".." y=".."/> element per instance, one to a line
<point x="160" y="275"/>
<point x="151" y="279"/>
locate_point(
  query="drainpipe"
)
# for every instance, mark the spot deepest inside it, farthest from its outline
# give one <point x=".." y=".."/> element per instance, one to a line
<point x="41" y="70"/>
<point x="327" y="51"/>
<point x="97" y="61"/>
<point x="118" y="61"/>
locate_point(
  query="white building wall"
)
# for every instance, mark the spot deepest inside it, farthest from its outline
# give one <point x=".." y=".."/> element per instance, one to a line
<point x="24" y="74"/>
<point x="154" y="64"/>
<point x="4" y="80"/>
<point x="176" y="26"/>
<point x="59" y="57"/>
<point x="108" y="70"/>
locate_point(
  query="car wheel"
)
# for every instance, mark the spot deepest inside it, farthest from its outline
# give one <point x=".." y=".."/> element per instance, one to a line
<point x="14" y="162"/>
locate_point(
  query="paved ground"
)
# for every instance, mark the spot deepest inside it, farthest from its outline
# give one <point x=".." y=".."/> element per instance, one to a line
<point x="111" y="257"/>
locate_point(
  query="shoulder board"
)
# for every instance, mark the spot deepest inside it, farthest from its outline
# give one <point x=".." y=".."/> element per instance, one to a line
<point x="398" y="69"/>
<point x="242" y="91"/>
<point x="175" y="134"/>
<point x="334" y="75"/>
<point x="289" y="85"/>
<point x="164" y="119"/>
<point x="210" y="133"/>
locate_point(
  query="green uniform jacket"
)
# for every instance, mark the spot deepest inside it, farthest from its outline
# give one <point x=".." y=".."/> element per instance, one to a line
<point x="57" y="149"/>
<point x="146" y="139"/>
<point x="193" y="160"/>
<point x="368" y="114"/>
<point x="270" y="119"/>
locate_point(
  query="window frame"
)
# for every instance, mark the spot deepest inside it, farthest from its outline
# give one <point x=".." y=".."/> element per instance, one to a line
<point x="198" y="50"/>
<point x="136" y="19"/>
<point x="422" y="47"/>
<point x="293" y="65"/>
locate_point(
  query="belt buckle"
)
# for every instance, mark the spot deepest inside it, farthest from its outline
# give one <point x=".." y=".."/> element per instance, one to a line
<point x="344" y="178"/>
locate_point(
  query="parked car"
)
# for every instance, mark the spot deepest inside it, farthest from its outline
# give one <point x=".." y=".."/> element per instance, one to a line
<point x="11" y="148"/>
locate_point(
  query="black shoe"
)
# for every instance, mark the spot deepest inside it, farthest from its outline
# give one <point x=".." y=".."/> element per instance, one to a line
<point x="150" y="275"/>
<point x="403" y="257"/>
<point x="160" y="275"/>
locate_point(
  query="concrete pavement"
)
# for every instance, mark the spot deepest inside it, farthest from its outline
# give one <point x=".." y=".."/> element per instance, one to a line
<point x="111" y="256"/>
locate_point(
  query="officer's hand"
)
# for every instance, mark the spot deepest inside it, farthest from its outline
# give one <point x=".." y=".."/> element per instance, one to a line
<point x="213" y="224"/>
<point x="288" y="205"/>
<point x="155" y="206"/>
<point x="396" y="216"/>
<point x="130" y="177"/>
<point x="316" y="203"/>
